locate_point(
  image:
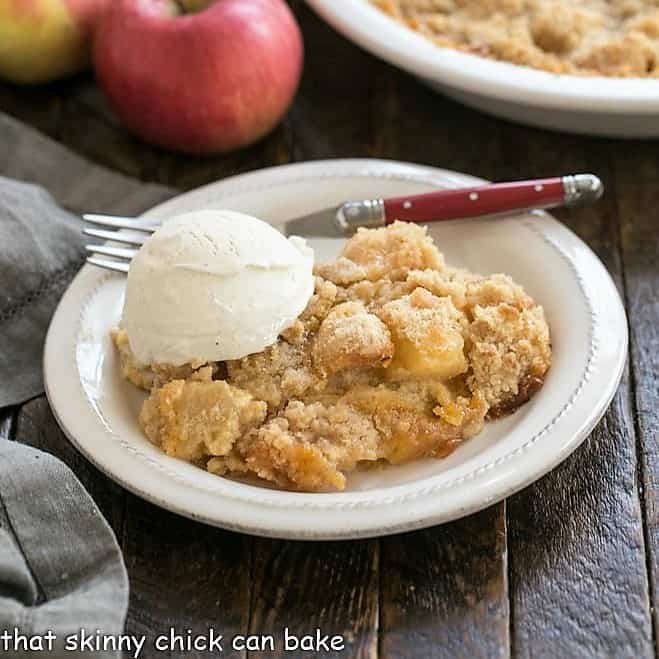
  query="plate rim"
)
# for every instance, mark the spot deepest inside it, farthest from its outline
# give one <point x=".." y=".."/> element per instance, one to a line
<point x="384" y="37"/>
<point x="344" y="168"/>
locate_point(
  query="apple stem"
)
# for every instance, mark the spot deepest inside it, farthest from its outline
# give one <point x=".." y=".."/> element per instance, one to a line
<point x="179" y="6"/>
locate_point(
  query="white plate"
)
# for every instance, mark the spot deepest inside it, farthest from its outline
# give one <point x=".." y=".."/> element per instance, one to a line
<point x="614" y="107"/>
<point x="98" y="410"/>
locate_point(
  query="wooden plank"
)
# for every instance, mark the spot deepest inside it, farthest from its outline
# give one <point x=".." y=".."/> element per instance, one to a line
<point x="7" y="422"/>
<point x="578" y="578"/>
<point x="184" y="576"/>
<point x="444" y="590"/>
<point x="353" y="105"/>
<point x="576" y="550"/>
<point x="640" y="250"/>
<point x="39" y="106"/>
<point x="529" y="152"/>
<point x="421" y="126"/>
<point x="37" y="427"/>
<point x="334" y="113"/>
<point x="330" y="586"/>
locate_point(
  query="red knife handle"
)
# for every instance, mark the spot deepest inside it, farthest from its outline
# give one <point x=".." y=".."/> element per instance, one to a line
<point x="479" y="200"/>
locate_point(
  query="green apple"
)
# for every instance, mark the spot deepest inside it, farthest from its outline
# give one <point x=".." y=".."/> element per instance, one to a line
<point x="42" y="40"/>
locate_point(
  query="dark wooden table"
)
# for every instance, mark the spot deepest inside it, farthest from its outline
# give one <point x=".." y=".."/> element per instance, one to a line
<point x="566" y="568"/>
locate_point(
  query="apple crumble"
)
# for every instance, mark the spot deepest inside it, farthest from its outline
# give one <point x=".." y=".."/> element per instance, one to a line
<point x="397" y="356"/>
<point x="592" y="37"/>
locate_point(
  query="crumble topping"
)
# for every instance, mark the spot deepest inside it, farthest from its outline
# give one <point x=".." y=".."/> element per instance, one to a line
<point x="396" y="357"/>
<point x="593" y="37"/>
<point x="351" y="338"/>
<point x="192" y="419"/>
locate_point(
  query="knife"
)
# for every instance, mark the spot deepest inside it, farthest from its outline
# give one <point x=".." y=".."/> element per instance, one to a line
<point x="486" y="199"/>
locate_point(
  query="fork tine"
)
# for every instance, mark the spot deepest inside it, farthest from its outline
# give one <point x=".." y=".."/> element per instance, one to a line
<point x="118" y="222"/>
<point x="116" y="252"/>
<point x="117" y="266"/>
<point x="114" y="236"/>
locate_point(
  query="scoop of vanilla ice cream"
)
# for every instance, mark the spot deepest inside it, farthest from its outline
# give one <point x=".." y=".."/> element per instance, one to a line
<point x="214" y="285"/>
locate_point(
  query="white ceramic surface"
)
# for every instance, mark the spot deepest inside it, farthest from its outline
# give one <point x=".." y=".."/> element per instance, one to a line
<point x="613" y="107"/>
<point x="98" y="410"/>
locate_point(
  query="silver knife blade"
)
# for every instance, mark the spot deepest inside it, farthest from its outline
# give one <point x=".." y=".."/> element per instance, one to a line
<point x="319" y="224"/>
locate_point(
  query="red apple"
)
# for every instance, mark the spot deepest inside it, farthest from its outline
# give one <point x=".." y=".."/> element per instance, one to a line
<point x="202" y="82"/>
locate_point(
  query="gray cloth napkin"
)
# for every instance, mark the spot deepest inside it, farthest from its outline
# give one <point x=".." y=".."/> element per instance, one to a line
<point x="61" y="569"/>
<point x="41" y="244"/>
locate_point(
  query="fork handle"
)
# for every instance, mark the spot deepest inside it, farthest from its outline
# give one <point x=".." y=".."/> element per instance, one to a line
<point x="471" y="202"/>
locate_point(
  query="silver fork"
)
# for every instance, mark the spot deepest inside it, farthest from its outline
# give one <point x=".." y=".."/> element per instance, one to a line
<point x="120" y="257"/>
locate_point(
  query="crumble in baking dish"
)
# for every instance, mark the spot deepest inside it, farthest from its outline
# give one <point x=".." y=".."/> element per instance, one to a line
<point x="617" y="38"/>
